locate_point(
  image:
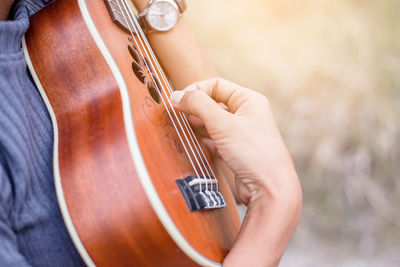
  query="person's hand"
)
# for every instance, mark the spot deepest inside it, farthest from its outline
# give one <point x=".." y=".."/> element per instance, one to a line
<point x="237" y="124"/>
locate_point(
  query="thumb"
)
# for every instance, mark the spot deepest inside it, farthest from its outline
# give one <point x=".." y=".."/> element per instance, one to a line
<point x="198" y="103"/>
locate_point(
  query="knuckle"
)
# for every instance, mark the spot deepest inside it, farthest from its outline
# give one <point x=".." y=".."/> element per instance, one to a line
<point x="216" y="79"/>
<point x="193" y="98"/>
<point x="260" y="99"/>
<point x="219" y="80"/>
<point x="222" y="80"/>
<point x="196" y="95"/>
<point x="192" y="95"/>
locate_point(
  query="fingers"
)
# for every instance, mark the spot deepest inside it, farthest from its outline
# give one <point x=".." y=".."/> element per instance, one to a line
<point x="198" y="126"/>
<point x="210" y="144"/>
<point x="202" y="132"/>
<point x="195" y="121"/>
<point x="228" y="93"/>
<point x="199" y="104"/>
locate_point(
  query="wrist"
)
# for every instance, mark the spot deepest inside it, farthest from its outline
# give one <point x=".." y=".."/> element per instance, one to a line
<point x="265" y="234"/>
<point x="275" y="206"/>
<point x="280" y="189"/>
<point x="140" y="5"/>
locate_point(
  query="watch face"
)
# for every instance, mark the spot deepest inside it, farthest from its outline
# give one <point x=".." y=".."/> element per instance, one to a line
<point x="162" y="15"/>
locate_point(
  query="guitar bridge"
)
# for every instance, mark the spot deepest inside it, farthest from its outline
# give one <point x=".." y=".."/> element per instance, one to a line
<point x="201" y="193"/>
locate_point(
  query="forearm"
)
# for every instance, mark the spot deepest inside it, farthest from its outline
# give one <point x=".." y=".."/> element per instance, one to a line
<point x="247" y="138"/>
<point x="274" y="210"/>
<point x="264" y="236"/>
<point x="179" y="53"/>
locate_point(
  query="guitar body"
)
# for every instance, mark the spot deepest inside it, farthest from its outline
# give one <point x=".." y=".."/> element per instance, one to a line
<point x="117" y="155"/>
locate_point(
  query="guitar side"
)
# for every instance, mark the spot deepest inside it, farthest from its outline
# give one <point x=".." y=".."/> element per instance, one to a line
<point x="116" y="182"/>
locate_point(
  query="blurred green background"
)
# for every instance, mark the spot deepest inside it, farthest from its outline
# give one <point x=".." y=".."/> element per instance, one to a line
<point x="331" y="70"/>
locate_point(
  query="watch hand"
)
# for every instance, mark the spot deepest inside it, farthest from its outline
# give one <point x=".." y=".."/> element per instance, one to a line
<point x="158" y="14"/>
<point x="162" y="14"/>
<point x="165" y="13"/>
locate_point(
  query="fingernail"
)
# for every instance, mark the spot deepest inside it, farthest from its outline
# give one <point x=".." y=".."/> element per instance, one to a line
<point x="176" y="97"/>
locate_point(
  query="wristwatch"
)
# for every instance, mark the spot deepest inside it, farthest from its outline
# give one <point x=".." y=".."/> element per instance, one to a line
<point x="161" y="15"/>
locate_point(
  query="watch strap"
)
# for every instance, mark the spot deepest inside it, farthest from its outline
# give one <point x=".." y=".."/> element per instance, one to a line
<point x="181" y="5"/>
<point x="144" y="24"/>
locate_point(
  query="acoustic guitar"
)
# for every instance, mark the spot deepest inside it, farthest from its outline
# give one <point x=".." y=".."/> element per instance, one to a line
<point x="134" y="184"/>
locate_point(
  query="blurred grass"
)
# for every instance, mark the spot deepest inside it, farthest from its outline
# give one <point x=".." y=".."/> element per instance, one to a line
<point x="331" y="70"/>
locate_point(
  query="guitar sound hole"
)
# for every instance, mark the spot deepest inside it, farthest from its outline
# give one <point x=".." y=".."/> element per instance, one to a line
<point x="134" y="54"/>
<point x="141" y="67"/>
<point x="154" y="90"/>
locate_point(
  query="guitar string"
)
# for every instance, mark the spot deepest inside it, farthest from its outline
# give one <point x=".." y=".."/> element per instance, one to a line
<point x="172" y="120"/>
<point x="198" y="147"/>
<point x="188" y="128"/>
<point x="205" y="163"/>
<point x="186" y="123"/>
<point x="191" y="134"/>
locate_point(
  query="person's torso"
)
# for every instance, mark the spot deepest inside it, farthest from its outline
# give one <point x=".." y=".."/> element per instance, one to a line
<point x="26" y="144"/>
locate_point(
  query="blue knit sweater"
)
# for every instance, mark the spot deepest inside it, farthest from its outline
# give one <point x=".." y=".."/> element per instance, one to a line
<point x="32" y="232"/>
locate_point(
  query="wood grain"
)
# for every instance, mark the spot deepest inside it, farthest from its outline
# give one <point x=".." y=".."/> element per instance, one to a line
<point x="109" y="208"/>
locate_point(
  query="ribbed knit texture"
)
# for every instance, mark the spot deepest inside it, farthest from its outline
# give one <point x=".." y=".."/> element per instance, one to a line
<point x="32" y="232"/>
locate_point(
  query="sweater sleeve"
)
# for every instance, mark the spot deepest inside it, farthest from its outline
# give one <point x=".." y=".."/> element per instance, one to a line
<point x="9" y="254"/>
<point x="10" y="32"/>
<point x="32" y="230"/>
